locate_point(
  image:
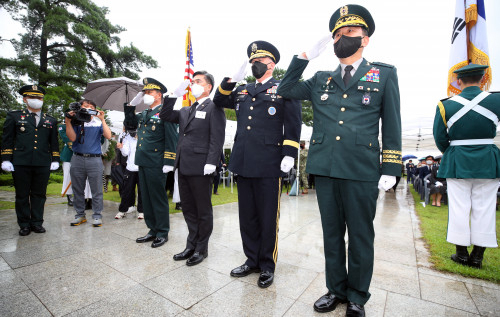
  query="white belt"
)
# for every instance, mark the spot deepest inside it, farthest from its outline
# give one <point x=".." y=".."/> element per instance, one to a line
<point x="471" y="142"/>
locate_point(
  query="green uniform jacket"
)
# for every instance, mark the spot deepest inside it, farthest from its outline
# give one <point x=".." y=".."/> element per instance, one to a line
<point x="345" y="139"/>
<point x="67" y="151"/>
<point x="156" y="139"/>
<point x="23" y="143"/>
<point x="467" y="161"/>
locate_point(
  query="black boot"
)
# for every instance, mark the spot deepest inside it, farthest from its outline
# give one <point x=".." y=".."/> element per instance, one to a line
<point x="88" y="204"/>
<point x="70" y="200"/>
<point x="476" y="257"/>
<point x="178" y="206"/>
<point x="462" y="255"/>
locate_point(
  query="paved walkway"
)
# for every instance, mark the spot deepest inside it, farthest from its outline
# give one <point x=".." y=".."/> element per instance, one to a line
<point x="86" y="271"/>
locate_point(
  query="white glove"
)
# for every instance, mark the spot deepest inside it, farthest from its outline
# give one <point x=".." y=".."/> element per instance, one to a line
<point x="319" y="47"/>
<point x="137" y="99"/>
<point x="439" y="184"/>
<point x="179" y="91"/>
<point x="241" y="73"/>
<point x="287" y="164"/>
<point x="54" y="166"/>
<point x="167" y="168"/>
<point x="386" y="182"/>
<point x="208" y="169"/>
<point x="7" y="166"/>
<point x="427" y="181"/>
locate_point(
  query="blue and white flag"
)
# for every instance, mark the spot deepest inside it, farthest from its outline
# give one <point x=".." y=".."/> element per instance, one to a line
<point x="469" y="43"/>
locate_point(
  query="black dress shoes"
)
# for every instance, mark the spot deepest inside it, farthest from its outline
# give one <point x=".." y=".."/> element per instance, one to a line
<point x="158" y="242"/>
<point x="265" y="279"/>
<point x="327" y="303"/>
<point x="184" y="255"/>
<point x="38" y="229"/>
<point x="243" y="270"/>
<point x="196" y="258"/>
<point x="146" y="238"/>
<point x="355" y="310"/>
<point x="24" y="231"/>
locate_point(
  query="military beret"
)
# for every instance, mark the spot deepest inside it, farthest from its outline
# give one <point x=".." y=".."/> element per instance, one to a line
<point x="352" y="15"/>
<point x="471" y="70"/>
<point x="151" y="83"/>
<point x="263" y="49"/>
<point x="32" y="90"/>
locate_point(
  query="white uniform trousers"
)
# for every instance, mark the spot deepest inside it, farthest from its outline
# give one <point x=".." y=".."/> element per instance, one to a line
<point x="67" y="179"/>
<point x="472" y="201"/>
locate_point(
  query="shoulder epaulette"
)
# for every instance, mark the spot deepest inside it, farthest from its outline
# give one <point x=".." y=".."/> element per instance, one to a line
<point x="382" y="64"/>
<point x="444" y="99"/>
<point x="15" y="111"/>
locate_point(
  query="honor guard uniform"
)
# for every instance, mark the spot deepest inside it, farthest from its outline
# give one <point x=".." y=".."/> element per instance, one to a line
<point x="464" y="128"/>
<point x="30" y="150"/>
<point x="268" y="131"/>
<point x="344" y="151"/>
<point x="155" y="153"/>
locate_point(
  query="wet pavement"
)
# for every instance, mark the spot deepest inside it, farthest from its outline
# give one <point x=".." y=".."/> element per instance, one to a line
<point x="87" y="271"/>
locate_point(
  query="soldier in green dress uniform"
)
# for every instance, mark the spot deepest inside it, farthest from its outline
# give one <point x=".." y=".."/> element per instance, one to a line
<point x="344" y="152"/>
<point x="464" y="128"/>
<point x="155" y="156"/>
<point x="30" y="150"/>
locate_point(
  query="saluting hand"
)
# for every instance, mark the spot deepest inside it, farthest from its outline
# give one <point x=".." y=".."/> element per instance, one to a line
<point x="241" y="73"/>
<point x="179" y="91"/>
<point x="137" y="99"/>
<point x="318" y="48"/>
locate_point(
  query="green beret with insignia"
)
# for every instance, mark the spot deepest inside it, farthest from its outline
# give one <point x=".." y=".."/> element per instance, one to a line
<point x="352" y="15"/>
<point x="32" y="90"/>
<point x="263" y="49"/>
<point x="151" y="83"/>
<point x="471" y="70"/>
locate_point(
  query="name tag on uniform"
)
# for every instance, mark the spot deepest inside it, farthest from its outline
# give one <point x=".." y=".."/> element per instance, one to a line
<point x="200" y="114"/>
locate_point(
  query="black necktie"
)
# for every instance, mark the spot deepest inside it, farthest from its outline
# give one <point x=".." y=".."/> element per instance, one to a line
<point x="193" y="107"/>
<point x="347" y="74"/>
<point x="34" y="115"/>
<point x="258" y="85"/>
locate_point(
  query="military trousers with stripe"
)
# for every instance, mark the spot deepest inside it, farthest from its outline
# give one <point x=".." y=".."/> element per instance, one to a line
<point x="348" y="204"/>
<point x="259" y="211"/>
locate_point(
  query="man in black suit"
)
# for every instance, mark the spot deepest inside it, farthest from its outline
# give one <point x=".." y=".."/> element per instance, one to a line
<point x="201" y="137"/>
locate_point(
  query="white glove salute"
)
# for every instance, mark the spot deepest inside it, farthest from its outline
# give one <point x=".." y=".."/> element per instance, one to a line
<point x="208" y="169"/>
<point x="7" y="166"/>
<point x="241" y="73"/>
<point x="386" y="182"/>
<point x="319" y="47"/>
<point x="179" y="91"/>
<point x="167" y="168"/>
<point x="137" y="99"/>
<point x="54" y="166"/>
<point x="287" y="164"/>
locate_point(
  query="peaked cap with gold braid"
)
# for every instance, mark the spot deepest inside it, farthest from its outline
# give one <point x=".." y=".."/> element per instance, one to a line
<point x="151" y="83"/>
<point x="352" y="15"/>
<point x="32" y="90"/>
<point x="263" y="49"/>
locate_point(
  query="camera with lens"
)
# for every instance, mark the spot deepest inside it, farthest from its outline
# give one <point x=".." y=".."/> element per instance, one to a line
<point x="81" y="115"/>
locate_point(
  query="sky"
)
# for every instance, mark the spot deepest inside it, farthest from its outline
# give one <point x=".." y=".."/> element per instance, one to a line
<point x="412" y="35"/>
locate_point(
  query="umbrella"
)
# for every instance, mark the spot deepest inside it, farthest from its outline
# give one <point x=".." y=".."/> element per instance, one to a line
<point x="112" y="93"/>
<point x="409" y="156"/>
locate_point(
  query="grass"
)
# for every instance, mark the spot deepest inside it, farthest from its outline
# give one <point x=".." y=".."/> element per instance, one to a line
<point x="434" y="222"/>
<point x="54" y="189"/>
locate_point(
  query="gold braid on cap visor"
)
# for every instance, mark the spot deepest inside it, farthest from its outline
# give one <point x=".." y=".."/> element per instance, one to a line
<point x="32" y="93"/>
<point x="349" y="20"/>
<point x="151" y="86"/>
<point x="261" y="53"/>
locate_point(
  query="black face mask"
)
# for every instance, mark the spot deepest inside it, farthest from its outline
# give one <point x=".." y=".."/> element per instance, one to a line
<point x="346" y="46"/>
<point x="259" y="69"/>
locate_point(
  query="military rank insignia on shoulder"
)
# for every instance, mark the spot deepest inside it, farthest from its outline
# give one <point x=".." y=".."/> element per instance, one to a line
<point x="383" y="64"/>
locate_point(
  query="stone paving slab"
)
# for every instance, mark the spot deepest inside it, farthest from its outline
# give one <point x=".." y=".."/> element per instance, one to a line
<point x="87" y="271"/>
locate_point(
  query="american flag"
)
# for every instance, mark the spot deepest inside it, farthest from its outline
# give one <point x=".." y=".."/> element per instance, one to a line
<point x="188" y="98"/>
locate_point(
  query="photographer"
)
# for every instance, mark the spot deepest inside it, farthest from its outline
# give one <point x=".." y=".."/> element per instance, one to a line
<point x="84" y="127"/>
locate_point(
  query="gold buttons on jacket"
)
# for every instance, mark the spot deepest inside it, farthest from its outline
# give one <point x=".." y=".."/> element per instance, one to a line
<point x="344" y="96"/>
<point x="140" y="144"/>
<point x="251" y="107"/>
<point x="341" y="122"/>
<point x="36" y="136"/>
<point x="314" y="141"/>
<point x="253" y="99"/>
<point x="249" y="127"/>
<point x="337" y="138"/>
<point x="36" y="141"/>
<point x="342" y="109"/>
<point x="35" y="147"/>
<point x="249" y="117"/>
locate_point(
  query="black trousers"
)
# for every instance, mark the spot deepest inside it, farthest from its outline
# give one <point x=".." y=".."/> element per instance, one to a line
<point x="196" y="198"/>
<point x="31" y="188"/>
<point x="130" y="181"/>
<point x="259" y="211"/>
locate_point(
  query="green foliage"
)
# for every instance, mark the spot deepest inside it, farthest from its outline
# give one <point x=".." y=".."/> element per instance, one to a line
<point x="65" y="44"/>
<point x="433" y="223"/>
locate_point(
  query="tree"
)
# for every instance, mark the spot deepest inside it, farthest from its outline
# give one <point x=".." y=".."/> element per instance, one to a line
<point x="66" y="44"/>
